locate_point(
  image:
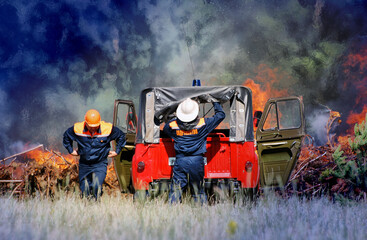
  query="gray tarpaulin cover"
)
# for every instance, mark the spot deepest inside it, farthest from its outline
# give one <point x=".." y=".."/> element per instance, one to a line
<point x="158" y="104"/>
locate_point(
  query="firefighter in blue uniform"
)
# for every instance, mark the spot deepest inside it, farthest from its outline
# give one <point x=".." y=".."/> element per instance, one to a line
<point x="93" y="138"/>
<point x="189" y="134"/>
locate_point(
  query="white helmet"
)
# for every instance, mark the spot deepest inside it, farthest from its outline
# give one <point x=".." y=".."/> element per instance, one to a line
<point x="188" y="110"/>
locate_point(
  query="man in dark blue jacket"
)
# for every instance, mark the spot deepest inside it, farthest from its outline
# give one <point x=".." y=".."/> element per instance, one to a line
<point x="189" y="134"/>
<point x="93" y="137"/>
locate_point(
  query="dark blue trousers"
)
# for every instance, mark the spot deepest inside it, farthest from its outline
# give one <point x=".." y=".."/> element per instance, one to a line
<point x="188" y="171"/>
<point x="91" y="178"/>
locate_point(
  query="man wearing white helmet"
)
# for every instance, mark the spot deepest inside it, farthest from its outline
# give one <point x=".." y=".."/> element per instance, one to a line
<point x="189" y="134"/>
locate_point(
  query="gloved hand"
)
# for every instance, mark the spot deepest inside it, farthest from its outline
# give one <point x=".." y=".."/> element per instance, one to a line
<point x="74" y="153"/>
<point x="112" y="154"/>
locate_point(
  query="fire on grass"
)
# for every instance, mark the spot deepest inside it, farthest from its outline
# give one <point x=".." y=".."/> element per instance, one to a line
<point x="317" y="171"/>
<point x="334" y="169"/>
<point x="44" y="171"/>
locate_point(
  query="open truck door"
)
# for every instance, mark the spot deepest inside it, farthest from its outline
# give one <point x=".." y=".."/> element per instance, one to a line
<point x="124" y="117"/>
<point x="278" y="136"/>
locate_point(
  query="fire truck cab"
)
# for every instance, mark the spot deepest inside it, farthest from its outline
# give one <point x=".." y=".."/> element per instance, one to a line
<point x="234" y="160"/>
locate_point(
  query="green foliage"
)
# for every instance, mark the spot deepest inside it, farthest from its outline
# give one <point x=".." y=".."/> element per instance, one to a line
<point x="325" y="174"/>
<point x="227" y="78"/>
<point x="359" y="145"/>
<point x="352" y="171"/>
<point x="344" y="169"/>
<point x="319" y="60"/>
<point x="331" y="49"/>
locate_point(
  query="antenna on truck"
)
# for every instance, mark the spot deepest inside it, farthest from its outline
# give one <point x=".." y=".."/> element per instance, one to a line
<point x="189" y="53"/>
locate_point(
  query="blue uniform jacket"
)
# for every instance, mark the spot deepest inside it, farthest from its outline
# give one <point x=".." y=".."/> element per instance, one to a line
<point x="93" y="149"/>
<point x="193" y="142"/>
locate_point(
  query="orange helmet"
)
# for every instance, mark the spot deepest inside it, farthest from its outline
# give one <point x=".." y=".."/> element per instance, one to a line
<point x="92" y="118"/>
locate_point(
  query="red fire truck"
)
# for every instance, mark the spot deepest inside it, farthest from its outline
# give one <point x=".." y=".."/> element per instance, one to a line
<point x="235" y="160"/>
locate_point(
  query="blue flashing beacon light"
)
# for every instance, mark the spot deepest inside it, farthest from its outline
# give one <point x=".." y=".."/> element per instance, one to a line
<point x="196" y="82"/>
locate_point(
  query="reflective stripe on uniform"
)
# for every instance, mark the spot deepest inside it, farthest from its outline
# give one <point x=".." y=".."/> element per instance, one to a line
<point x="201" y="123"/>
<point x="174" y="124"/>
<point x="105" y="129"/>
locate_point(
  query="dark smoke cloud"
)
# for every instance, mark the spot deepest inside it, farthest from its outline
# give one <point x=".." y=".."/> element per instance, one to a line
<point x="60" y="58"/>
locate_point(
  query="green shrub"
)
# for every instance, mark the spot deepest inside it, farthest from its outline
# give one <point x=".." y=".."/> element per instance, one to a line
<point x="351" y="171"/>
<point x="359" y="144"/>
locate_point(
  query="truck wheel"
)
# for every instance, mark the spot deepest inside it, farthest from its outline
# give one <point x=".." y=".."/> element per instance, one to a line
<point x="131" y="188"/>
<point x="221" y="192"/>
<point x="250" y="195"/>
<point x="140" y="195"/>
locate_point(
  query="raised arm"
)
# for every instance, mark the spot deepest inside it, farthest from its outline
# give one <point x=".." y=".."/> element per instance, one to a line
<point x="218" y="117"/>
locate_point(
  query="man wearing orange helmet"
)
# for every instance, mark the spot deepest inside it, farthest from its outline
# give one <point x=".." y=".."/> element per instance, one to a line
<point x="93" y="138"/>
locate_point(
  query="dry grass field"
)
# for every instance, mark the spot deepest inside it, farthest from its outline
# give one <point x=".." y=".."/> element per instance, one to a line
<point x="119" y="217"/>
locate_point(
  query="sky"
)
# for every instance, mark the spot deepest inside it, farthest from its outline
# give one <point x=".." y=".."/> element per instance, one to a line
<point x="60" y="58"/>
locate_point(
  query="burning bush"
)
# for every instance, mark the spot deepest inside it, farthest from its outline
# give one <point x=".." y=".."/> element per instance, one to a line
<point x="350" y="172"/>
<point x="340" y="173"/>
<point x="45" y="173"/>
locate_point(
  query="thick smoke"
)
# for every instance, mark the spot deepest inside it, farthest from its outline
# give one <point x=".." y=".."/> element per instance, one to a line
<point x="60" y="58"/>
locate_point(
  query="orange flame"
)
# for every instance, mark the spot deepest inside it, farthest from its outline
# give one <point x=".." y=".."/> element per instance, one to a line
<point x="111" y="174"/>
<point x="50" y="157"/>
<point x="355" y="72"/>
<point x="267" y="79"/>
<point x="343" y="140"/>
<point x="354" y="117"/>
<point x="358" y="60"/>
<point x="46" y="157"/>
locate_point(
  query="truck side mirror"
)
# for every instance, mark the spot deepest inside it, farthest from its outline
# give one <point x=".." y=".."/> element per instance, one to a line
<point x="257" y="117"/>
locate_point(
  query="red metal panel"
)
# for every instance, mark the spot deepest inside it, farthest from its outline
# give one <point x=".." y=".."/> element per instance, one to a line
<point x="141" y="179"/>
<point x="218" y="158"/>
<point x="246" y="153"/>
<point x="234" y="158"/>
<point x="162" y="152"/>
<point x="224" y="160"/>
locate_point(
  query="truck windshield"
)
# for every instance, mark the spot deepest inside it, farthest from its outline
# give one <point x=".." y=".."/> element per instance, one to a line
<point x="125" y="119"/>
<point x="284" y="113"/>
